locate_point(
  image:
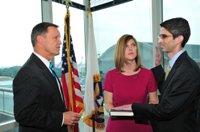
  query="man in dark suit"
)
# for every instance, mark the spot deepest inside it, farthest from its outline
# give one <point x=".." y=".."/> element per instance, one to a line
<point x="177" y="108"/>
<point x="39" y="105"/>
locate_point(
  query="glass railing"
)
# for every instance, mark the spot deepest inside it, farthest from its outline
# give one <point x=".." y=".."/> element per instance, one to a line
<point x="7" y="121"/>
<point x="6" y="100"/>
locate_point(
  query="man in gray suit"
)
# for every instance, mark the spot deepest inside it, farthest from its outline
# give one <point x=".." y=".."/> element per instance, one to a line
<point x="180" y="91"/>
<point x="39" y="105"/>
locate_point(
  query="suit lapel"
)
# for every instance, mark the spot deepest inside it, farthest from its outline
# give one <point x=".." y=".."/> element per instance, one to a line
<point x="53" y="81"/>
<point x="173" y="70"/>
<point x="169" y="77"/>
<point x="61" y="90"/>
<point x="48" y="75"/>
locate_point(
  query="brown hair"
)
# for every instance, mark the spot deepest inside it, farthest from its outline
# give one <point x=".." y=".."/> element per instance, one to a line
<point x="120" y="52"/>
<point x="178" y="26"/>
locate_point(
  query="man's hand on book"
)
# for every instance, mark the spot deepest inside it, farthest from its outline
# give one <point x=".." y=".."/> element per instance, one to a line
<point x="123" y="107"/>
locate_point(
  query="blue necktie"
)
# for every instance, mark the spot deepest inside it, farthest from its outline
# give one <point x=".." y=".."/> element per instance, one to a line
<point x="52" y="70"/>
<point x="57" y="80"/>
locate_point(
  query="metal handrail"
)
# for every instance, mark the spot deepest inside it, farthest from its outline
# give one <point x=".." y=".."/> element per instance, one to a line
<point x="6" y="89"/>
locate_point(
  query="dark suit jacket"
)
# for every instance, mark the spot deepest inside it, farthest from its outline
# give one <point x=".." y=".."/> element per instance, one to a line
<point x="176" y="111"/>
<point x="38" y="106"/>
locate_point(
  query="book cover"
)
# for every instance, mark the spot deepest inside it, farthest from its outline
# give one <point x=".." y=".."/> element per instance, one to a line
<point x="123" y="114"/>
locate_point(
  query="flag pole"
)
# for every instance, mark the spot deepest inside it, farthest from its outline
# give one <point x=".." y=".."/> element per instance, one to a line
<point x="93" y="122"/>
<point x="93" y="114"/>
<point x="93" y="99"/>
<point x="67" y="33"/>
<point x="70" y="128"/>
<point x="70" y="76"/>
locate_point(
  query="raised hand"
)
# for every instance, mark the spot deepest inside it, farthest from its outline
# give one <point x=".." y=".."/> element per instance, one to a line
<point x="158" y="56"/>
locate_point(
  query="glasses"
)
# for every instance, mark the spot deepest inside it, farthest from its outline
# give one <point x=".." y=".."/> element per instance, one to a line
<point x="164" y="36"/>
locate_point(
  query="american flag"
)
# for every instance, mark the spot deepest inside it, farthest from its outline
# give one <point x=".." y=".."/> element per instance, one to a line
<point x="70" y="77"/>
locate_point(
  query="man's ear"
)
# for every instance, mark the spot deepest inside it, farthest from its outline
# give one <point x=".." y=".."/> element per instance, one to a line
<point x="180" y="39"/>
<point x="39" y="39"/>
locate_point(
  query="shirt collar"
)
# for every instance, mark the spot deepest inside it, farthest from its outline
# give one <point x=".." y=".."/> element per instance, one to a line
<point x="44" y="60"/>
<point x="175" y="57"/>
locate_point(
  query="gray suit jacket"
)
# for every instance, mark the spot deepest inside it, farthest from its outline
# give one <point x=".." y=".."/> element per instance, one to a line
<point x="176" y="111"/>
<point x="38" y="105"/>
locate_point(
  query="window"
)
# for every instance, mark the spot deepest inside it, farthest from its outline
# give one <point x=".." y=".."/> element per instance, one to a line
<point x="17" y="21"/>
<point x="129" y="18"/>
<point x="186" y="10"/>
<point x="111" y="23"/>
<point x="77" y="33"/>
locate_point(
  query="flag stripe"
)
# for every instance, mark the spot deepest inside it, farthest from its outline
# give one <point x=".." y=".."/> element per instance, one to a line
<point x="70" y="74"/>
<point x="70" y="77"/>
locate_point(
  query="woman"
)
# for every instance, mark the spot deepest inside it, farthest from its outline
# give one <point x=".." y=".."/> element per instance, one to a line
<point x="129" y="82"/>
